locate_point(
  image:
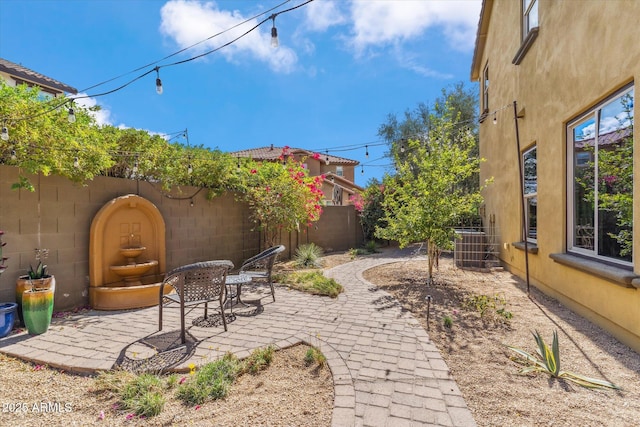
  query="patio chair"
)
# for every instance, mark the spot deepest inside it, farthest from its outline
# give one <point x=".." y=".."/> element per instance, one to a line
<point x="193" y="285"/>
<point x="259" y="267"/>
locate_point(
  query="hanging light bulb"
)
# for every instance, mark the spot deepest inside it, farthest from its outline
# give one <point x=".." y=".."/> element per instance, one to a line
<point x="135" y="166"/>
<point x="5" y="133"/>
<point x="495" y="118"/>
<point x="191" y="203"/>
<point x="159" y="89"/>
<point x="326" y="159"/>
<point x="72" y="114"/>
<point x="402" y="147"/>
<point x="76" y="162"/>
<point x="366" y="151"/>
<point x="189" y="169"/>
<point x="361" y="170"/>
<point x="13" y="155"/>
<point x="238" y="163"/>
<point x="274" y="33"/>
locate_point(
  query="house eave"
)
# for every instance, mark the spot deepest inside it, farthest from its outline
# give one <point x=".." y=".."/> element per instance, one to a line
<point x="481" y="39"/>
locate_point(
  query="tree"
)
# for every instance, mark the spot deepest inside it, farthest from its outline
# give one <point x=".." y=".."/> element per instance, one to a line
<point x="428" y="196"/>
<point x="282" y="196"/>
<point x="457" y="101"/>
<point x="372" y="213"/>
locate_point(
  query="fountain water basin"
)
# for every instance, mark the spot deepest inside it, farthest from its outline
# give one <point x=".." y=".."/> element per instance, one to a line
<point x="131" y="273"/>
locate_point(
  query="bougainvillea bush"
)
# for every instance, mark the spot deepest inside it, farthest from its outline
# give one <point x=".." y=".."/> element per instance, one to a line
<point x="282" y="196"/>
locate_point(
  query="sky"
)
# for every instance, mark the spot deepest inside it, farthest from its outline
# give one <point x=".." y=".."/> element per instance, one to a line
<point x="341" y="67"/>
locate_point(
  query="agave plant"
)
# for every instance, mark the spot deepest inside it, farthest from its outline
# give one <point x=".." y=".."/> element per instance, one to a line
<point x="41" y="269"/>
<point x="549" y="363"/>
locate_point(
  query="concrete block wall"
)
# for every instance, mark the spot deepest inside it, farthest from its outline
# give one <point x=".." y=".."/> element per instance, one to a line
<point x="58" y="216"/>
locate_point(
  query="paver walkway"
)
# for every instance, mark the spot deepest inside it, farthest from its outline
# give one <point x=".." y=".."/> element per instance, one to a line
<point x="385" y="370"/>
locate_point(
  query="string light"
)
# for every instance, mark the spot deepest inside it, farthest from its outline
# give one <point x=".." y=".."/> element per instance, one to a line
<point x="72" y="115"/>
<point x="13" y="155"/>
<point x="402" y="147"/>
<point x="191" y="203"/>
<point x="5" y="133"/>
<point x="326" y="159"/>
<point x="238" y="163"/>
<point x="76" y="162"/>
<point x="274" y="32"/>
<point x="362" y="170"/>
<point x="366" y="151"/>
<point x="495" y="118"/>
<point x="189" y="169"/>
<point x="135" y="166"/>
<point x="159" y="89"/>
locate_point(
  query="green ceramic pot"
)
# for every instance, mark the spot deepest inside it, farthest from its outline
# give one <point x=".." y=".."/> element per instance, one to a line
<point x="37" y="309"/>
<point x="25" y="284"/>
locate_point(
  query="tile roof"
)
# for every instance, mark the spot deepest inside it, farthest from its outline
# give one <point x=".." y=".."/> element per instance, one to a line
<point x="272" y="153"/>
<point x="31" y="76"/>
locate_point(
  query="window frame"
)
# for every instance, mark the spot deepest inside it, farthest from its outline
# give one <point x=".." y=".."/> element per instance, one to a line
<point x="340" y="171"/>
<point x="529" y="6"/>
<point x="593" y="113"/>
<point x="529" y="196"/>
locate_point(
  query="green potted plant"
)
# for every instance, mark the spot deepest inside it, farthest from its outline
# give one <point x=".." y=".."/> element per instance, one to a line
<point x="7" y="309"/>
<point x="34" y="295"/>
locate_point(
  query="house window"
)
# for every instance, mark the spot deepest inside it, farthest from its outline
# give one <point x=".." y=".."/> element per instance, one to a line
<point x="530" y="171"/>
<point x="529" y="16"/>
<point x="485" y="89"/>
<point x="339" y="171"/>
<point x="600" y="181"/>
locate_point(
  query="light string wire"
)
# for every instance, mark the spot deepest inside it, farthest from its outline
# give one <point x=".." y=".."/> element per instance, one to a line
<point x="157" y="68"/>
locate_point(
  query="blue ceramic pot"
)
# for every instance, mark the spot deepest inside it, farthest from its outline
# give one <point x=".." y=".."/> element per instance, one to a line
<point x="7" y="317"/>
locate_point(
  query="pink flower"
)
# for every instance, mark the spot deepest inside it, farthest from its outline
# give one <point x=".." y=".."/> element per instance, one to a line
<point x="101" y="415"/>
<point x="183" y="379"/>
<point x="253" y="171"/>
<point x="38" y="367"/>
<point x="197" y="407"/>
<point x="129" y="416"/>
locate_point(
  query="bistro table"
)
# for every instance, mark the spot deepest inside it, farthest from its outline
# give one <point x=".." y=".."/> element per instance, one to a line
<point x="238" y="280"/>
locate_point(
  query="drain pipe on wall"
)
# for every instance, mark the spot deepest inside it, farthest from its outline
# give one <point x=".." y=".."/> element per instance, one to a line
<point x="522" y="202"/>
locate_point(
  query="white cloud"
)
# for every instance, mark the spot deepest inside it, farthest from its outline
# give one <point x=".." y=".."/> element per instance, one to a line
<point x="322" y="14"/>
<point x="102" y="116"/>
<point x="378" y="23"/>
<point x="189" y="22"/>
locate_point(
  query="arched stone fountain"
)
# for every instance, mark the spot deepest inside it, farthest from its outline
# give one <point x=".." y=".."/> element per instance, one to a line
<point x="126" y="254"/>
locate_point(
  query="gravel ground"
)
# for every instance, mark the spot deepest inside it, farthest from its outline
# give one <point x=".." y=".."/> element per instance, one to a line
<point x="288" y="393"/>
<point x="475" y="348"/>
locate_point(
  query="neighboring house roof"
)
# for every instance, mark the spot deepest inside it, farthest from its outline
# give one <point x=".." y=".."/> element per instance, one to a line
<point x="342" y="182"/>
<point x="272" y="153"/>
<point x="24" y="73"/>
<point x="481" y="39"/>
<point x="609" y="138"/>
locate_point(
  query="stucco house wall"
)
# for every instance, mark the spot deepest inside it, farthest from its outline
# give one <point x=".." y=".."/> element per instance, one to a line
<point x="584" y="52"/>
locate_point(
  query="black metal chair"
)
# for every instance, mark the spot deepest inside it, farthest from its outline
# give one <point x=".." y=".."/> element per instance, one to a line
<point x="259" y="267"/>
<point x="193" y="285"/>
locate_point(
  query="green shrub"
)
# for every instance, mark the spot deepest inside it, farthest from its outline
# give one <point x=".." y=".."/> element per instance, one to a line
<point x="314" y="355"/>
<point x="259" y="360"/>
<point x="447" y="321"/>
<point x="143" y="395"/>
<point x="211" y="381"/>
<point x="308" y="256"/>
<point x="313" y="282"/>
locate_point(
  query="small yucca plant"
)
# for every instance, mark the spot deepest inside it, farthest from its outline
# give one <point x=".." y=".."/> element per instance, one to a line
<point x="308" y="255"/>
<point x="550" y="364"/>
